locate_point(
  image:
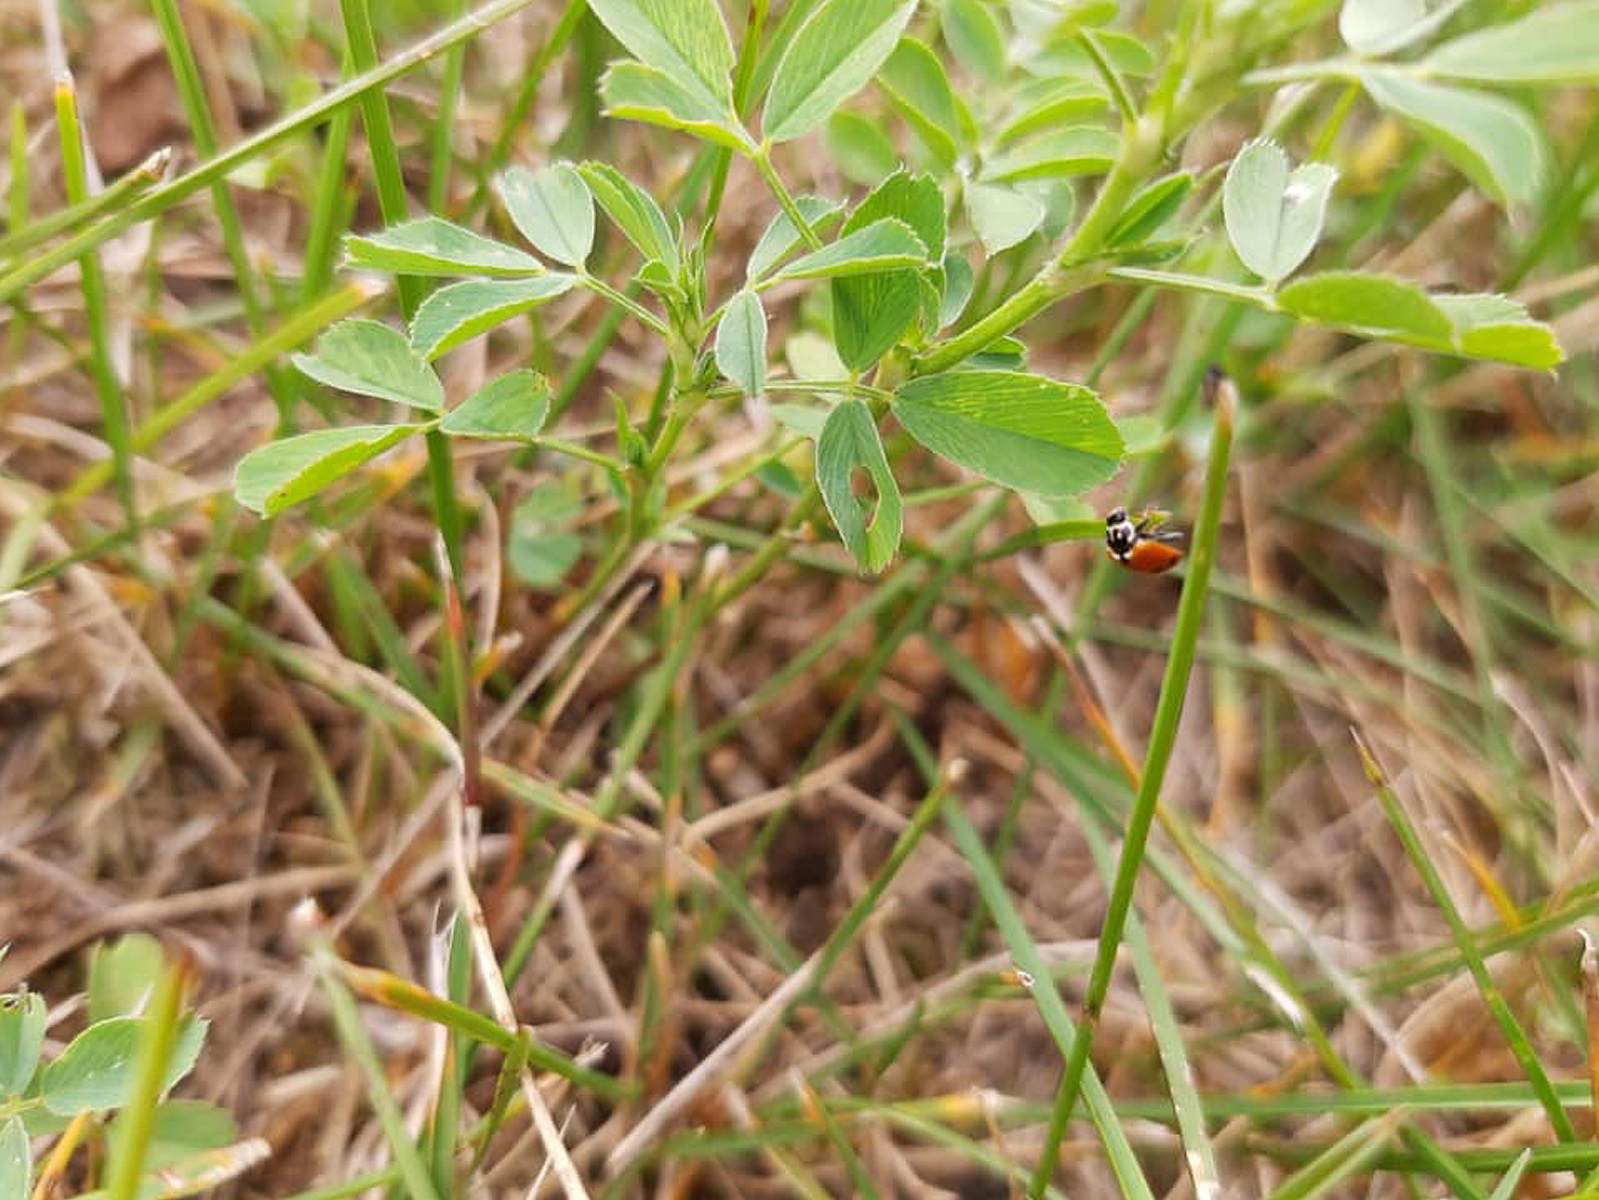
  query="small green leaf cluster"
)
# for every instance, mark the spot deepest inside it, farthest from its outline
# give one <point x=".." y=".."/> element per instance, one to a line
<point x="1274" y="217"/>
<point x="191" y="1145"/>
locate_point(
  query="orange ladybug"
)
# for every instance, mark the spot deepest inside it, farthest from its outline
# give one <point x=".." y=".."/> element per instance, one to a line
<point x="1137" y="545"/>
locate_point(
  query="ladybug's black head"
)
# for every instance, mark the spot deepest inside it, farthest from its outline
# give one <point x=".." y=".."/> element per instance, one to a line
<point x="1120" y="533"/>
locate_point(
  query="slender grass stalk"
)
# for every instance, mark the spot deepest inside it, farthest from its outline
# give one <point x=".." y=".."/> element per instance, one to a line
<point x="130" y="1140"/>
<point x="1526" y="1056"/>
<point x="113" y="405"/>
<point x="327" y="200"/>
<point x="1162" y="737"/>
<point x="1351" y="1153"/>
<point x="16" y="220"/>
<point x="1199" y="1155"/>
<point x="1506" y="1187"/>
<point x="839" y="1140"/>
<point x="24" y="234"/>
<point x="180" y="55"/>
<point x="1051" y="1008"/>
<point x="441" y="156"/>
<point x="402" y="995"/>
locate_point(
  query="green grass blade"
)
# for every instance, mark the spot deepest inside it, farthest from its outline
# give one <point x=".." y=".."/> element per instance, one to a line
<point x="1162" y="737"/>
<point x="414" y="1175"/>
<point x="1526" y="1056"/>
<point x="113" y="405"/>
<point x="1050" y="1006"/>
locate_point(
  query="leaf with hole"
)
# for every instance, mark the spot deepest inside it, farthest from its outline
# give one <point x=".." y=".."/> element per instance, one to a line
<point x="370" y="359"/>
<point x="281" y="474"/>
<point x="1274" y="214"/>
<point x="1491" y="140"/>
<point x="686" y="40"/>
<point x="1554" y="43"/>
<point x="881" y="246"/>
<point x="634" y="212"/>
<point x="631" y="89"/>
<point x="432" y="246"/>
<point x="95" y="1072"/>
<point x="1001" y="216"/>
<point x="833" y="55"/>
<point x="513" y="407"/>
<point x="1023" y="431"/>
<point x="741" y="343"/>
<point x="461" y="311"/>
<point x="850" y="442"/>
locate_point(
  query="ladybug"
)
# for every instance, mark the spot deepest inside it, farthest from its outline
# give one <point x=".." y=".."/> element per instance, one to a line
<point x="1137" y="545"/>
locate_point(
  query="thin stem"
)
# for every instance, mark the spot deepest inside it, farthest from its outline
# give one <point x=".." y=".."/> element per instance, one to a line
<point x="130" y="1142"/>
<point x="600" y="288"/>
<point x="1108" y="72"/>
<point x="113" y="406"/>
<point x="23" y="236"/>
<point x="762" y="162"/>
<point x="1163" y="736"/>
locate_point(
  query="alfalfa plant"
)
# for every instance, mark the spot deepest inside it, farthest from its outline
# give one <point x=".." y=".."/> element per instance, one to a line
<point x="920" y="324"/>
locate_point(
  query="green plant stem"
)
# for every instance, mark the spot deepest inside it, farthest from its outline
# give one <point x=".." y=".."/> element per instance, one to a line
<point x="624" y="302"/>
<point x="24" y="234"/>
<point x="1073" y="268"/>
<point x="1048" y="287"/>
<point x="327" y="204"/>
<point x="441" y="156"/>
<point x="1107" y="72"/>
<point x="180" y="55"/>
<point x="762" y="162"/>
<point x="113" y="405"/>
<point x="1162" y="737"/>
<point x="352" y="1033"/>
<point x="130" y="1141"/>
